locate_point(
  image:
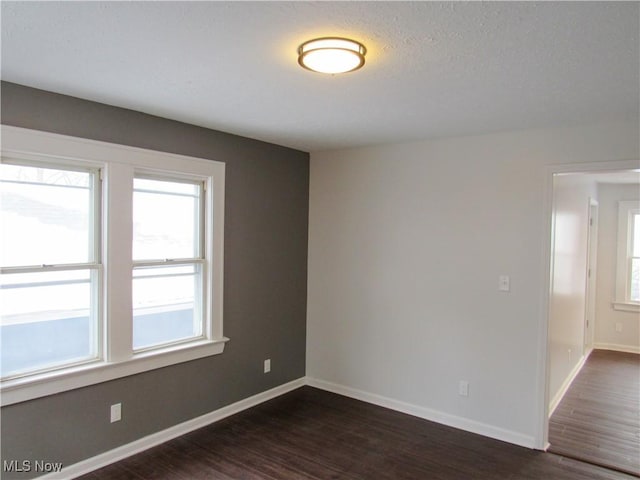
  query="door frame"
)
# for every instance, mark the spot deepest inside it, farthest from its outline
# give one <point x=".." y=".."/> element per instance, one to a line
<point x="591" y="276"/>
<point x="541" y="435"/>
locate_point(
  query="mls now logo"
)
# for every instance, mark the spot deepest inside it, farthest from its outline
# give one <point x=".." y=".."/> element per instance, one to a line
<point x="40" y="466"/>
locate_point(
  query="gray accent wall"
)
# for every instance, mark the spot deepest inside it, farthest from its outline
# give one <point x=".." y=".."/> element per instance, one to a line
<point x="265" y="286"/>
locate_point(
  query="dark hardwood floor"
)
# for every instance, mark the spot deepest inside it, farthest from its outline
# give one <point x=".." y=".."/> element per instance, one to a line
<point x="312" y="434"/>
<point x="598" y="420"/>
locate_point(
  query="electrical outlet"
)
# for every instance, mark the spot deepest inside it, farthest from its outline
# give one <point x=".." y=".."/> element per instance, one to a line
<point x="618" y="327"/>
<point x="463" y="388"/>
<point x="267" y="365"/>
<point x="116" y="412"/>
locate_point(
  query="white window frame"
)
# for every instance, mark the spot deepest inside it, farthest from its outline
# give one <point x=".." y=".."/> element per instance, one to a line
<point x="626" y="209"/>
<point x="197" y="261"/>
<point x="93" y="263"/>
<point x="118" y="165"/>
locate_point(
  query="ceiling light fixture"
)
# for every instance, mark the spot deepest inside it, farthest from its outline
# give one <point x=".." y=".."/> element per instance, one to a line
<point x="331" y="55"/>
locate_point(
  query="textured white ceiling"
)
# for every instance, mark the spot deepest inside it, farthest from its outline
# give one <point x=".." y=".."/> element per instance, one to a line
<point x="433" y="68"/>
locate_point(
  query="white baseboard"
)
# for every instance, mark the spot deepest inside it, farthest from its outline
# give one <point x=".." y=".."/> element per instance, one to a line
<point x="617" y="347"/>
<point x="427" y="413"/>
<point x="555" y="401"/>
<point x="137" y="446"/>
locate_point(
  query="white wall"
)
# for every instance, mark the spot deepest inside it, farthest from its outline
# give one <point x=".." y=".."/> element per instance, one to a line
<point x="567" y="302"/>
<point x="406" y="243"/>
<point x="606" y="317"/>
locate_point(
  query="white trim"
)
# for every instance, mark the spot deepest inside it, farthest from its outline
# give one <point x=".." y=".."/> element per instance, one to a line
<point x="591" y="273"/>
<point x="626" y="209"/>
<point x="117" y="164"/>
<point x="542" y="374"/>
<point x="616" y="347"/>
<point x="426" y="413"/>
<point x="86" y="466"/>
<point x="626" y="307"/>
<point x="596" y="167"/>
<point x="541" y="426"/>
<point x="48" y="383"/>
<point x="124" y="451"/>
<point x="555" y="401"/>
<point x="34" y="144"/>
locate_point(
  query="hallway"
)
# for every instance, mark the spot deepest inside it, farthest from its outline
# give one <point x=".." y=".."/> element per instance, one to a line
<point x="598" y="420"/>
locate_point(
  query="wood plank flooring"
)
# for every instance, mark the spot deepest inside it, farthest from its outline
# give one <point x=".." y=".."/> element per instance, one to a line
<point x="312" y="434"/>
<point x="598" y="420"/>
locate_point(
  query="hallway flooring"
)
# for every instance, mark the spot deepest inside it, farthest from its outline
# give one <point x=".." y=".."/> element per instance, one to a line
<point x="598" y="420"/>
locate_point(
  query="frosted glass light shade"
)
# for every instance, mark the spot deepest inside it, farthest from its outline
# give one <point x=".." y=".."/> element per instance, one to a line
<point x="331" y="55"/>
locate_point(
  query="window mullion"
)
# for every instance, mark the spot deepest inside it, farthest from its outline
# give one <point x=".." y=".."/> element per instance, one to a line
<point x="118" y="261"/>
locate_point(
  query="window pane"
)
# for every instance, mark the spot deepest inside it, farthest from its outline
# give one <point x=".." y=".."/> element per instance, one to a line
<point x="56" y="329"/>
<point x="636" y="235"/>
<point x="166" y="219"/>
<point x="634" y="294"/>
<point x="45" y="216"/>
<point x="165" y="304"/>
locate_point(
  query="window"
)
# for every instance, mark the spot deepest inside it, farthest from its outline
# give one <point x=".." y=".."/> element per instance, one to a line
<point x="168" y="283"/>
<point x="628" y="265"/>
<point x="51" y="268"/>
<point x="111" y="261"/>
<point x="634" y="259"/>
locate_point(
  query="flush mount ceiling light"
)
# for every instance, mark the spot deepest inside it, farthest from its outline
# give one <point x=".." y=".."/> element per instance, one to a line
<point x="331" y="55"/>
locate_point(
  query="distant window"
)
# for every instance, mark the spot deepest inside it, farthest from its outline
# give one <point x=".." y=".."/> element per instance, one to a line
<point x="110" y="262"/>
<point x="634" y="257"/>
<point x="628" y="265"/>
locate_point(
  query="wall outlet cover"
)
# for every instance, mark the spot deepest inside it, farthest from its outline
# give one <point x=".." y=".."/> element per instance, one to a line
<point x="116" y="412"/>
<point x="463" y="388"/>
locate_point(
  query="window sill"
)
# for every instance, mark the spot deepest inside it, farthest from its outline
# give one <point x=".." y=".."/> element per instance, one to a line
<point x="35" y="386"/>
<point x="626" y="306"/>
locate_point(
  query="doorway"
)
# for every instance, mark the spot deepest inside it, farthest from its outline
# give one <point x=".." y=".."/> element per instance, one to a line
<point x="592" y="271"/>
<point x="572" y="328"/>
